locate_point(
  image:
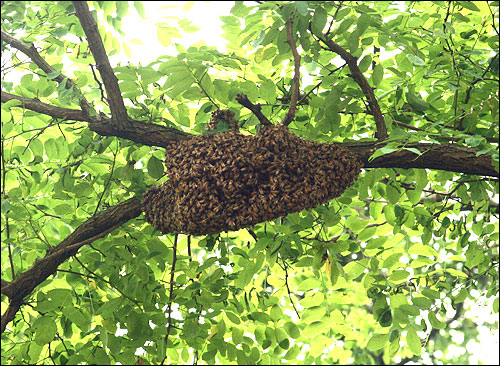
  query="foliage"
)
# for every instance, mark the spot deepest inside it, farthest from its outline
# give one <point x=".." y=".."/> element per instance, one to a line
<point x="383" y="274"/>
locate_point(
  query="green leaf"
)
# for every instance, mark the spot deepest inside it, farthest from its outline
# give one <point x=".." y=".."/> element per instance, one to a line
<point x="435" y="322"/>
<point x="469" y="5"/>
<point x="415" y="60"/>
<point x="319" y="19"/>
<point x="382" y="151"/>
<point x="414" y="342"/>
<point x="431" y="294"/>
<point x="378" y="74"/>
<point x="313" y="314"/>
<point x="416" y="102"/>
<point x="292" y="330"/>
<point x="391" y="260"/>
<point x="313" y="329"/>
<point x="392" y="194"/>
<point x="456" y="272"/>
<point x="354" y="269"/>
<point x="312" y="300"/>
<point x="399" y="275"/>
<point x="237" y="335"/>
<point x="139" y="7"/>
<point x="410" y="309"/>
<point x="292" y="353"/>
<point x="309" y="284"/>
<point x="422" y="302"/>
<point x="377" y="342"/>
<point x="76" y="316"/>
<point x="155" y="167"/>
<point x="45" y="330"/>
<point x="302" y="7"/>
<point x="276" y="313"/>
<point x="421" y="249"/>
<point x="257" y="41"/>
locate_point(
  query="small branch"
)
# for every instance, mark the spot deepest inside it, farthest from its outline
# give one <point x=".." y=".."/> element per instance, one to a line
<point x="357" y="75"/>
<point x="48" y="109"/>
<point x="255" y="108"/>
<point x="296" y="77"/>
<point x="189" y="248"/>
<point x="32" y="53"/>
<point x="114" y="96"/>
<point x="171" y="295"/>
<point x="288" y="289"/>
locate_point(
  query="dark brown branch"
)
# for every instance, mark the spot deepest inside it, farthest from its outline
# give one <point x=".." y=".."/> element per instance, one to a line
<point x="114" y="96"/>
<point x="296" y="77"/>
<point x="450" y="157"/>
<point x="255" y="108"/>
<point x="32" y="53"/>
<point x="9" y="314"/>
<point x="37" y="106"/>
<point x="144" y="133"/>
<point x="362" y="82"/>
<point x="92" y="229"/>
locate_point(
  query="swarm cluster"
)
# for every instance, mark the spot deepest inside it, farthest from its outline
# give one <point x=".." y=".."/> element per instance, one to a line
<point x="227" y="181"/>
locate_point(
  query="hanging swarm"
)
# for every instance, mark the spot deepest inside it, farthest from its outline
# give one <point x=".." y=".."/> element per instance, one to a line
<point x="228" y="181"/>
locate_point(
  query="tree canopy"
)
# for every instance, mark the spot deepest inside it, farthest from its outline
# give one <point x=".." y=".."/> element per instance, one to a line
<point x="385" y="273"/>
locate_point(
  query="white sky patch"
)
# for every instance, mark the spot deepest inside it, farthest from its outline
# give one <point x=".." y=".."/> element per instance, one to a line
<point x="204" y="15"/>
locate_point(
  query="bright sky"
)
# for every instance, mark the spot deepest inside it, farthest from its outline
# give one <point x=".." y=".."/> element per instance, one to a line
<point x="203" y="14"/>
<point x="206" y="15"/>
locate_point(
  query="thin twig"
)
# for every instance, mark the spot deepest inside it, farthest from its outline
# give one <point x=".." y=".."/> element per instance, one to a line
<point x="170" y="297"/>
<point x="288" y="289"/>
<point x="189" y="248"/>
<point x="296" y="77"/>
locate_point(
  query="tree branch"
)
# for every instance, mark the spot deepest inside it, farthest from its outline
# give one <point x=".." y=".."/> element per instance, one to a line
<point x="296" y="77"/>
<point x="243" y="100"/>
<point x="37" y="106"/>
<point x="94" y="228"/>
<point x="114" y="95"/>
<point x="32" y="53"/>
<point x="357" y="75"/>
<point x="149" y="134"/>
<point x="450" y="157"/>
<point x="171" y="295"/>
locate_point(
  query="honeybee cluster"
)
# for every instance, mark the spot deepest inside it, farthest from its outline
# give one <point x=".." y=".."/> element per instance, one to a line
<point x="228" y="181"/>
<point x="222" y="115"/>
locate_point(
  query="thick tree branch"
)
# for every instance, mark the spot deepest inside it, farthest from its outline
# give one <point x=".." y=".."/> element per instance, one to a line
<point x="144" y="133"/>
<point x="32" y="53"/>
<point x="94" y="228"/>
<point x="114" y="96"/>
<point x="362" y="82"/>
<point x="450" y="157"/>
<point x="9" y="314"/>
<point x="296" y="77"/>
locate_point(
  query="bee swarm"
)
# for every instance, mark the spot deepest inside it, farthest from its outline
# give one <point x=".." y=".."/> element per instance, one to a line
<point x="228" y="181"/>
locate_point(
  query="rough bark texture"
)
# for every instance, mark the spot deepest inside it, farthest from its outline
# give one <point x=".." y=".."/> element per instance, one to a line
<point x="100" y="223"/>
<point x="450" y="157"/>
